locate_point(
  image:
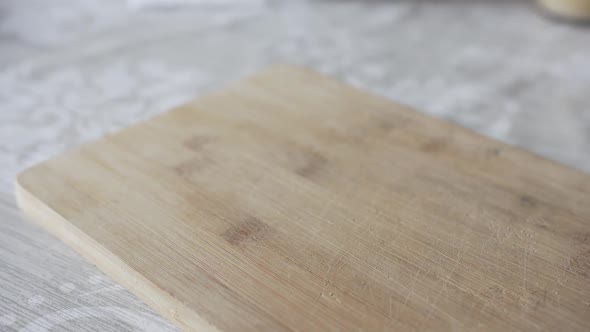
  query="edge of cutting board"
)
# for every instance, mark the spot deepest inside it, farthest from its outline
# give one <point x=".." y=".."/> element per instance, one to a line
<point x="161" y="302"/>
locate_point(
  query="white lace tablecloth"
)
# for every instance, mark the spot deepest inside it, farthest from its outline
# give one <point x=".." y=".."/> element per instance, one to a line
<point x="71" y="71"/>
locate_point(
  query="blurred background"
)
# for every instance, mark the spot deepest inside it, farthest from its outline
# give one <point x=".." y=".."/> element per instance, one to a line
<point x="73" y="70"/>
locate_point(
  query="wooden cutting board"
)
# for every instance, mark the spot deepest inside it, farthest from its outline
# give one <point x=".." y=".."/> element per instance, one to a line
<point x="290" y="201"/>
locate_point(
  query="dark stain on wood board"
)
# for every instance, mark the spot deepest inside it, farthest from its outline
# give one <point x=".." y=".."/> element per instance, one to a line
<point x="248" y="230"/>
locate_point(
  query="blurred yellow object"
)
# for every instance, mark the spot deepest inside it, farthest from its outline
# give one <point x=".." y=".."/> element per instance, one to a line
<point x="575" y="9"/>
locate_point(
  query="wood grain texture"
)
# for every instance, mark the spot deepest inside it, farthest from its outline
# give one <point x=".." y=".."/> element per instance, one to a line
<point x="290" y="201"/>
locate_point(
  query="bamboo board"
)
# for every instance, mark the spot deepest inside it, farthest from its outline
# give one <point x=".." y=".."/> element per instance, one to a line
<point x="290" y="201"/>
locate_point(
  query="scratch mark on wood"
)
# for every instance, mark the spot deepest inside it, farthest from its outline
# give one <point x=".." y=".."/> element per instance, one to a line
<point x="447" y="279"/>
<point x="331" y="266"/>
<point x="526" y="252"/>
<point x="579" y="264"/>
<point x="410" y="291"/>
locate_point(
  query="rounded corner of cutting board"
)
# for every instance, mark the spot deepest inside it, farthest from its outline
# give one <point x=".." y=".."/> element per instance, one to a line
<point x="43" y="215"/>
<point x="22" y="190"/>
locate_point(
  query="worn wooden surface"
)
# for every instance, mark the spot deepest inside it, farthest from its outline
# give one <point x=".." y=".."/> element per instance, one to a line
<point x="71" y="71"/>
<point x="291" y="201"/>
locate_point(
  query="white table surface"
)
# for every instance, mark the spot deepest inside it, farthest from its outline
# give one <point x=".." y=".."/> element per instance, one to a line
<point x="71" y="71"/>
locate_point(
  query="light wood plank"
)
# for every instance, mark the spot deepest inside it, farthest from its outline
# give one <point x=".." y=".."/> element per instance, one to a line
<point x="290" y="201"/>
